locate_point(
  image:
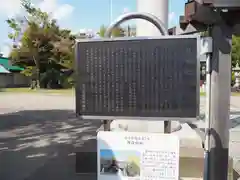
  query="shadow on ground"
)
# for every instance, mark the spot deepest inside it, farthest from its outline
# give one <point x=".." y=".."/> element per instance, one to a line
<point x="41" y="144"/>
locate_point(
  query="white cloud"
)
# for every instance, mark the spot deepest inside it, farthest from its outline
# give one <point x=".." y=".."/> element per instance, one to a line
<point x="63" y="11"/>
<point x="58" y="11"/>
<point x="172" y="17"/>
<point x="126" y="10"/>
<point x="5" y="50"/>
<point x="10" y="7"/>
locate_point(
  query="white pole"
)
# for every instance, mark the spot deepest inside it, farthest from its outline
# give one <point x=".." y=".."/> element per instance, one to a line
<point x="208" y="100"/>
<point x="207" y="117"/>
<point x="157" y="8"/>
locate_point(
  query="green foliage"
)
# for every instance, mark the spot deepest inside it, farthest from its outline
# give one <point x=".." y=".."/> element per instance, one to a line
<point x="102" y="31"/>
<point x="235" y="51"/>
<point x="233" y="79"/>
<point x="43" y="48"/>
<point x="116" y="32"/>
<point x="46" y="51"/>
<point x="204" y="34"/>
<point x="235" y="48"/>
<point x="28" y="71"/>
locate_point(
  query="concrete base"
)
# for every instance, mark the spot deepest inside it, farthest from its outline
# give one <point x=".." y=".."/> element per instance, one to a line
<point x="192" y="164"/>
<point x="143" y="126"/>
<point x="191" y="150"/>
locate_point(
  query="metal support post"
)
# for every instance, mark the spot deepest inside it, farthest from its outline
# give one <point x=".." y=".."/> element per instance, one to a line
<point x="220" y="100"/>
<point x="106" y="125"/>
<point x="207" y="115"/>
<point x="167" y="127"/>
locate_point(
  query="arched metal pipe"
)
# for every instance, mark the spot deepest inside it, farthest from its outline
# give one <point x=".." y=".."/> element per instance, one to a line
<point x="137" y="15"/>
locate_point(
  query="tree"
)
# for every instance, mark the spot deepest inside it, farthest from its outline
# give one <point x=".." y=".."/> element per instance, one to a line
<point x="32" y="39"/>
<point x="102" y="31"/>
<point x="43" y="48"/>
<point x="63" y="54"/>
<point x="116" y="32"/>
<point x="204" y="34"/>
<point x="235" y="51"/>
<point x="235" y="48"/>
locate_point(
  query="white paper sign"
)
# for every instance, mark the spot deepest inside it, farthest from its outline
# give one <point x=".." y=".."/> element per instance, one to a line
<point x="137" y="156"/>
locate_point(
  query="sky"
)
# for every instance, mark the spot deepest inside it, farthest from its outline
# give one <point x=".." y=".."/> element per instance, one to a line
<point x="78" y="14"/>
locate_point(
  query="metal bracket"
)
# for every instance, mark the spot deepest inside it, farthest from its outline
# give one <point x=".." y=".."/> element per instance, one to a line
<point x="206" y="45"/>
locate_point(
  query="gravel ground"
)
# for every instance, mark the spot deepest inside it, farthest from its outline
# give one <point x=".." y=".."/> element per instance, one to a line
<point x="39" y="136"/>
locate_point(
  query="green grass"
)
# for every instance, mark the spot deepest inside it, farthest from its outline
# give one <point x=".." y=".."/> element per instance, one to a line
<point x="202" y="93"/>
<point x="233" y="94"/>
<point x="60" y="91"/>
<point x="236" y="94"/>
<point x="28" y="90"/>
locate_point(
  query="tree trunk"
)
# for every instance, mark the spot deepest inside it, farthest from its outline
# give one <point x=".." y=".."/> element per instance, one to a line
<point x="37" y="72"/>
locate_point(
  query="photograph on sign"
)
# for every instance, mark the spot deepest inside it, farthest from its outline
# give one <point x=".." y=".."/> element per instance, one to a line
<point x="137" y="156"/>
<point x="123" y="163"/>
<point x="138" y="77"/>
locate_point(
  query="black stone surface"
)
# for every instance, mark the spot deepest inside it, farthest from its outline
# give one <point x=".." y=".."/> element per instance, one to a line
<point x="86" y="158"/>
<point x="146" y="78"/>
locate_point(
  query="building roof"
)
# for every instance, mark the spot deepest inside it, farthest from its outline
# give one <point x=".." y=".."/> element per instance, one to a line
<point x="6" y="64"/>
<point x="3" y="70"/>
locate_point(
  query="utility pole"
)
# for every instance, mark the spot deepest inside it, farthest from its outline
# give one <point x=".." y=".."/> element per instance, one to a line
<point x="220" y="100"/>
<point x="221" y="16"/>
